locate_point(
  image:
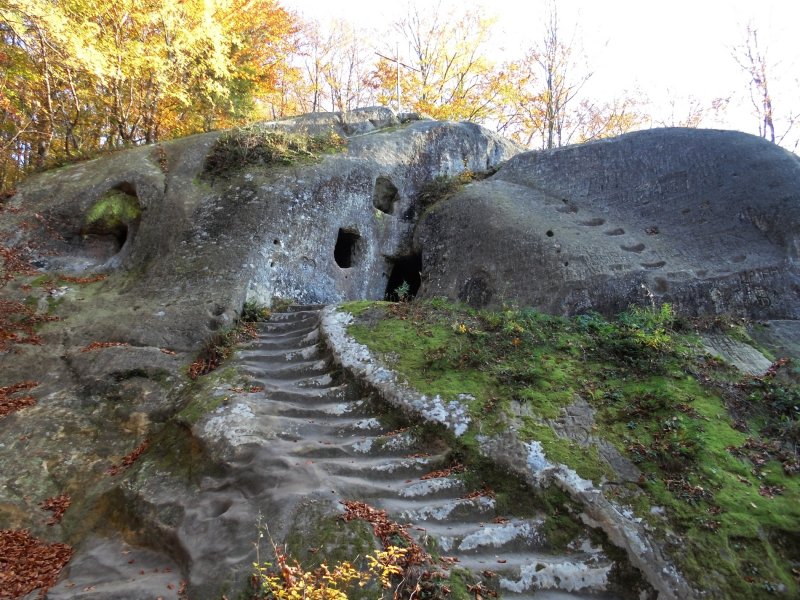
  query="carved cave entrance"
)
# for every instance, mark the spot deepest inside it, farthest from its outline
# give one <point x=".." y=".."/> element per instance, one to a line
<point x="403" y="269"/>
<point x="347" y="248"/>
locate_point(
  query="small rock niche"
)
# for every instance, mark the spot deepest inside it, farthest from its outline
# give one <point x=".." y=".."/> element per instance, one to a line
<point x="385" y="195"/>
<point x="110" y="222"/>
<point x="348" y="248"/>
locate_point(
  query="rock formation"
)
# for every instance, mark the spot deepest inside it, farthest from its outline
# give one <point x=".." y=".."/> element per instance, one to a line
<point x="707" y="220"/>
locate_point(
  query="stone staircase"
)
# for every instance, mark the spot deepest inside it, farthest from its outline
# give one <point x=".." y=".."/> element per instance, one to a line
<point x="321" y="421"/>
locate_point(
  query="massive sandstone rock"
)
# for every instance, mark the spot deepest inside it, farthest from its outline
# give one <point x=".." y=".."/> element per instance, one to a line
<point x="182" y="253"/>
<point x="707" y="220"/>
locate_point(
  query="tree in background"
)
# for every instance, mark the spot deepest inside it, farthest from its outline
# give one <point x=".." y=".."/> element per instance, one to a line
<point x="540" y="102"/>
<point x="336" y="68"/>
<point x="85" y="75"/>
<point x="447" y="75"/>
<point x="753" y="61"/>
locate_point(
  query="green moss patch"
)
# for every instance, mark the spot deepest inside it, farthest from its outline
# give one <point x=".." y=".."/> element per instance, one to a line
<point x="115" y="209"/>
<point x="716" y="451"/>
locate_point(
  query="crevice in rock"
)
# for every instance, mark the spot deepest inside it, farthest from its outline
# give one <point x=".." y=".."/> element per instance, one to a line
<point x="403" y="269"/>
<point x="385" y="195"/>
<point x="348" y="248"/>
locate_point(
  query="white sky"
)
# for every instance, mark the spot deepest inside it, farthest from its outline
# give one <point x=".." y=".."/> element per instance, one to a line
<point x="661" y="48"/>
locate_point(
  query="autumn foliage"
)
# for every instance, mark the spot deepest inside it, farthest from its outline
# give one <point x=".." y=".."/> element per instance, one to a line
<point x="130" y="72"/>
<point x="28" y="564"/>
<point x="11" y="401"/>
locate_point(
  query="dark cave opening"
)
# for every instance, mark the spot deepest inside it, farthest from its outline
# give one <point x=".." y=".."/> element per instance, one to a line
<point x="385" y="195"/>
<point x="346" y="250"/>
<point x="404" y="269"/>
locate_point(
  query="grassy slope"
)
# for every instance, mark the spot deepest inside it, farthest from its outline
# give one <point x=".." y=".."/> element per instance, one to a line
<point x="735" y="504"/>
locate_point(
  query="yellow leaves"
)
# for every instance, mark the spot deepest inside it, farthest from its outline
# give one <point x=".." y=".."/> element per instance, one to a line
<point x="296" y="583"/>
<point x="93" y="74"/>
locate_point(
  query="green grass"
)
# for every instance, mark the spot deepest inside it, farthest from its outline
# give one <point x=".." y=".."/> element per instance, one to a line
<point x="677" y="415"/>
<point x="259" y="145"/>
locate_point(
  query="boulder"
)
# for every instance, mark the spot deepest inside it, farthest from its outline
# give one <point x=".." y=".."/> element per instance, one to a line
<point x="707" y="220"/>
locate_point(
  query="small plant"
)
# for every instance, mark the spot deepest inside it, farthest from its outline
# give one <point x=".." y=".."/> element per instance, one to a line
<point x="403" y="292"/>
<point x="288" y="580"/>
<point x="253" y="312"/>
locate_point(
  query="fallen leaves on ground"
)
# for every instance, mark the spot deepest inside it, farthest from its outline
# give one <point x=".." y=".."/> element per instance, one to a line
<point x="386" y="530"/>
<point x="90" y="279"/>
<point x="129" y="459"/>
<point x="58" y="505"/>
<point x="99" y="345"/>
<point x="456" y="468"/>
<point x="27" y="563"/>
<point x="18" y="322"/>
<point x="486" y="492"/>
<point x="8" y="404"/>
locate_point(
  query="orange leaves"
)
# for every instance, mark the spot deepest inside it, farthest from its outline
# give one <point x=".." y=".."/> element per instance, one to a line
<point x="99" y="345"/>
<point x="27" y="563"/>
<point x="129" y="459"/>
<point x="386" y="530"/>
<point x="57" y="505"/>
<point x="8" y="404"/>
<point x="456" y="468"/>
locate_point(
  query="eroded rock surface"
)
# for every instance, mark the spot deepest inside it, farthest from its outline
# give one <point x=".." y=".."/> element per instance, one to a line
<point x="707" y="220"/>
<point x="181" y="254"/>
<point x="578" y="228"/>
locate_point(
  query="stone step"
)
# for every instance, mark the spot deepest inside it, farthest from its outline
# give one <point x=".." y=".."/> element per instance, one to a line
<point x="293" y="341"/>
<point x="311" y="386"/>
<point x="305" y="308"/>
<point x="282" y="355"/>
<point x="396" y="468"/>
<point x="292" y="315"/>
<point x="481" y="509"/>
<point x="528" y="572"/>
<point x="470" y="537"/>
<point x="298" y="370"/>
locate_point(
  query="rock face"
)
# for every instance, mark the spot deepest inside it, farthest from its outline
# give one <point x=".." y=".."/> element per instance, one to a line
<point x="181" y="253"/>
<point x="707" y="220"/>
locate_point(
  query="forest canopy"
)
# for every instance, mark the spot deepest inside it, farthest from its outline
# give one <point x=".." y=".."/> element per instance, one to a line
<point x="80" y="77"/>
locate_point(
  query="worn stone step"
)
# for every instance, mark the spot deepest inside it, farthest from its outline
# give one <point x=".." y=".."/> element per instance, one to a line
<point x="471" y="537"/>
<point x="305" y="307"/>
<point x="282" y="355"/>
<point x="481" y="509"/>
<point x="292" y="315"/>
<point x="284" y="332"/>
<point x="284" y="327"/>
<point x="528" y="571"/>
<point x="276" y="369"/>
<point x="397" y="468"/>
<point x="289" y="341"/>
<point x="315" y="408"/>
<point x="310" y="386"/>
